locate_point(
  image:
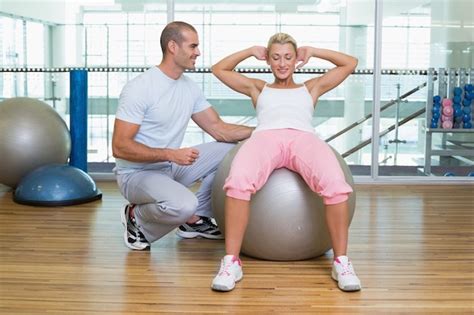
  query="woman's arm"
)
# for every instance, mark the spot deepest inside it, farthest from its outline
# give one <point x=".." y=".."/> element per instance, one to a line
<point x="345" y="65"/>
<point x="224" y="71"/>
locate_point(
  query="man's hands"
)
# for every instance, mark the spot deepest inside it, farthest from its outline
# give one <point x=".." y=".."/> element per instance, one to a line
<point x="184" y="156"/>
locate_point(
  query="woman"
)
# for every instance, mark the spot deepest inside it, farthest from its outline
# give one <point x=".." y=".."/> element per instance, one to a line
<point x="285" y="137"/>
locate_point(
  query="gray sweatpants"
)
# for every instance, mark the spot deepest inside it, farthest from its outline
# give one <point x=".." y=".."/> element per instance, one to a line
<point x="162" y="194"/>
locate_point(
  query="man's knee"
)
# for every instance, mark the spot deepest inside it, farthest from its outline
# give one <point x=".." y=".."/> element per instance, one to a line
<point x="179" y="210"/>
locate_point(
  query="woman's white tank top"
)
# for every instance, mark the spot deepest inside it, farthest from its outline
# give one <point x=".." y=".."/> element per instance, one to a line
<point x="285" y="108"/>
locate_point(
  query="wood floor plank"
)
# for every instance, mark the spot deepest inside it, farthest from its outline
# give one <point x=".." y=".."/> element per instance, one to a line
<point x="412" y="246"/>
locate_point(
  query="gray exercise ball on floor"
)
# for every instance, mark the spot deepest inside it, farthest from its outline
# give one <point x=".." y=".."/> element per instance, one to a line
<point x="287" y="220"/>
<point x="32" y="134"/>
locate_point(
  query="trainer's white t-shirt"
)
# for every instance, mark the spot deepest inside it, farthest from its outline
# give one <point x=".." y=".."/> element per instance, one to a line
<point x="162" y="107"/>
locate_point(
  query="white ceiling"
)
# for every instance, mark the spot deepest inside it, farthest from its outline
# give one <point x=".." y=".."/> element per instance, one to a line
<point x="65" y="11"/>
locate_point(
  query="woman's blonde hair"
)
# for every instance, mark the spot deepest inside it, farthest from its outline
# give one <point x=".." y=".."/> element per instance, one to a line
<point x="281" y="38"/>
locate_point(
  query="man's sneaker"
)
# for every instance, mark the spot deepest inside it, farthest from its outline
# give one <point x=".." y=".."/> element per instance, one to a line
<point x="132" y="235"/>
<point x="344" y="274"/>
<point x="204" y="227"/>
<point x="229" y="273"/>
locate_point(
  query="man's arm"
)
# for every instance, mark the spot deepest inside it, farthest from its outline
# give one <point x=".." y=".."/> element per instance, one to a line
<point x="125" y="147"/>
<point x="210" y="122"/>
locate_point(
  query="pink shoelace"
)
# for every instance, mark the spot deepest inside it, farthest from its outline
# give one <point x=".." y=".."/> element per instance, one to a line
<point x="346" y="268"/>
<point x="225" y="267"/>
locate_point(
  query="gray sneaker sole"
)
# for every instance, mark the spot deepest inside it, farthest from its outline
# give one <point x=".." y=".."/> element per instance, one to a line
<point x="198" y="234"/>
<point x="221" y="288"/>
<point x="350" y="288"/>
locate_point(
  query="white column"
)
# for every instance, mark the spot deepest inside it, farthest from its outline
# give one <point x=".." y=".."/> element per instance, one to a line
<point x="452" y="35"/>
<point x="170" y="10"/>
<point x="67" y="47"/>
<point x="353" y="41"/>
<point x="59" y="47"/>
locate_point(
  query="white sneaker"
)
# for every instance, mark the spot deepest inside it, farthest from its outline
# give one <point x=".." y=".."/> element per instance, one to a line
<point x="132" y="235"/>
<point x="229" y="273"/>
<point x="344" y="274"/>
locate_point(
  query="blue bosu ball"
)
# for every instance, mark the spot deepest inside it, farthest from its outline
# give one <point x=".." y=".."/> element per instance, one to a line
<point x="56" y="185"/>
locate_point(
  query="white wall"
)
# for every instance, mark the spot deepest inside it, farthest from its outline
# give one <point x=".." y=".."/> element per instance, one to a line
<point x="52" y="11"/>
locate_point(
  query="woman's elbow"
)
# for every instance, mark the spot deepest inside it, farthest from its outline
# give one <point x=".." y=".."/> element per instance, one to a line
<point x="217" y="71"/>
<point x="214" y="69"/>
<point x="355" y="62"/>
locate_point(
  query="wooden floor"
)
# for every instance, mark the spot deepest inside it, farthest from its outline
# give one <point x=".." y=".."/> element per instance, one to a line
<point x="412" y="246"/>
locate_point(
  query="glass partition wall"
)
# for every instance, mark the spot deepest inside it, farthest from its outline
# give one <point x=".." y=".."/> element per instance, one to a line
<point x="417" y="39"/>
<point x="427" y="139"/>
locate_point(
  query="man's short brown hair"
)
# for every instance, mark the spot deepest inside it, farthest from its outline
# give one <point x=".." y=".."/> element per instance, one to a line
<point x="174" y="31"/>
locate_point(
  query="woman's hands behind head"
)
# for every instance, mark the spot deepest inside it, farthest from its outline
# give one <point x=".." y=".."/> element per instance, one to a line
<point x="302" y="55"/>
<point x="260" y="52"/>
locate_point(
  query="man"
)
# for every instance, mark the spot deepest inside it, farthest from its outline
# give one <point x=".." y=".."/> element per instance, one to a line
<point x="153" y="172"/>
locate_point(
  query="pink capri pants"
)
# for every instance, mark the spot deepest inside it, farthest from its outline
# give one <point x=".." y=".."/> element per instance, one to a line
<point x="299" y="151"/>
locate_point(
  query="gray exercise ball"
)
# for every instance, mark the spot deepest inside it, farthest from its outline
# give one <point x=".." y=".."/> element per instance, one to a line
<point x="287" y="220"/>
<point x="32" y="134"/>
